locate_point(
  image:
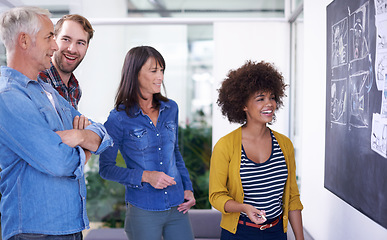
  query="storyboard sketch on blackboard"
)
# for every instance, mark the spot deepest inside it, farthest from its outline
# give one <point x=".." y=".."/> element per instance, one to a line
<point x="351" y="58"/>
<point x="356" y="109"/>
<point x="381" y="45"/>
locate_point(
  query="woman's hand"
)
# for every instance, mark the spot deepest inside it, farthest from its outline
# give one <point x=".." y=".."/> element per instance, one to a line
<point x="158" y="180"/>
<point x="255" y="215"/>
<point x="189" y="201"/>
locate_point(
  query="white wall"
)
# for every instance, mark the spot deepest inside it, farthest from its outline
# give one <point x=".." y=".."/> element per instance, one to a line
<point x="100" y="72"/>
<point x="237" y="42"/>
<point x="325" y="215"/>
<point x="105" y="57"/>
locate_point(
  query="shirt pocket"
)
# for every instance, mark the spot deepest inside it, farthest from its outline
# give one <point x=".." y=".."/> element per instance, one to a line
<point x="51" y="118"/>
<point x="171" y="130"/>
<point x="140" y="138"/>
<point x="66" y="116"/>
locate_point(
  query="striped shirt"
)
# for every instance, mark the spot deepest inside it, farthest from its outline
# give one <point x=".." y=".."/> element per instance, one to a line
<point x="263" y="183"/>
<point x="72" y="93"/>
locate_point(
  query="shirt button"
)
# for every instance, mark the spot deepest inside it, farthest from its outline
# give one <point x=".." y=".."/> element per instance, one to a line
<point x="159" y="149"/>
<point x="161" y="163"/>
<point x="150" y="122"/>
<point x="157" y="134"/>
<point x="165" y="192"/>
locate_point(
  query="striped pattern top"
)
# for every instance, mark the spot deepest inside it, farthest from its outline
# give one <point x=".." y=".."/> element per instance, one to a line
<point x="263" y="183"/>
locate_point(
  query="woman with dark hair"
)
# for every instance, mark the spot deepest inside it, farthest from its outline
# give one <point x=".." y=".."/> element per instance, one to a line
<point x="144" y="127"/>
<point x="253" y="172"/>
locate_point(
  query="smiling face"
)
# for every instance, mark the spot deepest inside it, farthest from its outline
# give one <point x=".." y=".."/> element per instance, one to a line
<point x="72" y="41"/>
<point x="43" y="46"/>
<point x="260" y="107"/>
<point x="150" y="78"/>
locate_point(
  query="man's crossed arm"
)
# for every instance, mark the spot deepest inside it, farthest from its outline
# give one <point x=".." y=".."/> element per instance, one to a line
<point x="79" y="136"/>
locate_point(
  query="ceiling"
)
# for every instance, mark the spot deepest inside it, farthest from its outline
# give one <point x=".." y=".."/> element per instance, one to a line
<point x="171" y="8"/>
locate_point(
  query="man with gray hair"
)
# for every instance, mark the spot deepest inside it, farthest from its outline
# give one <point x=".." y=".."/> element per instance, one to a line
<point x="44" y="141"/>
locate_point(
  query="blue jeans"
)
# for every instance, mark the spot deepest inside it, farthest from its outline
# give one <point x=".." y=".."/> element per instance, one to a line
<point x="251" y="233"/>
<point x="151" y="225"/>
<point x="30" y="236"/>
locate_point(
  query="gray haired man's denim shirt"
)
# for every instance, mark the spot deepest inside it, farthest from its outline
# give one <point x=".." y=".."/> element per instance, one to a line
<point x="42" y="180"/>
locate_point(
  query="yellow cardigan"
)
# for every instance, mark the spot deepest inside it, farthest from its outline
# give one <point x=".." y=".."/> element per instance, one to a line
<point x="225" y="181"/>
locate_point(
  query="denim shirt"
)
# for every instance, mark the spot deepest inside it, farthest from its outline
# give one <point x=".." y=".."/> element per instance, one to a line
<point x="42" y="181"/>
<point x="145" y="146"/>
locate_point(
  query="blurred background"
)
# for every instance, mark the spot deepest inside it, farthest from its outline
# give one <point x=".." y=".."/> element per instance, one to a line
<point x="201" y="41"/>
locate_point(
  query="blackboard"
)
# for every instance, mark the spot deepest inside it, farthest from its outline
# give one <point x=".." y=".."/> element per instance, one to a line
<point x="353" y="171"/>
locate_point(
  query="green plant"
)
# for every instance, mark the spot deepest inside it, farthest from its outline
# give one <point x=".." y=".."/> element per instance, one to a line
<point x="195" y="147"/>
<point x="105" y="199"/>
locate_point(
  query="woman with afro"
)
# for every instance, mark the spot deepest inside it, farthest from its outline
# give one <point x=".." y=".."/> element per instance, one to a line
<point x="253" y="171"/>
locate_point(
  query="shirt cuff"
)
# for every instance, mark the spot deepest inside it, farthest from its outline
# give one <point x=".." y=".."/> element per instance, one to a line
<point x="136" y="180"/>
<point x="100" y="130"/>
<point x="79" y="172"/>
<point x="188" y="186"/>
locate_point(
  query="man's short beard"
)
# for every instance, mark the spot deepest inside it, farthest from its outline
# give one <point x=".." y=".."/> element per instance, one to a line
<point x="59" y="64"/>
